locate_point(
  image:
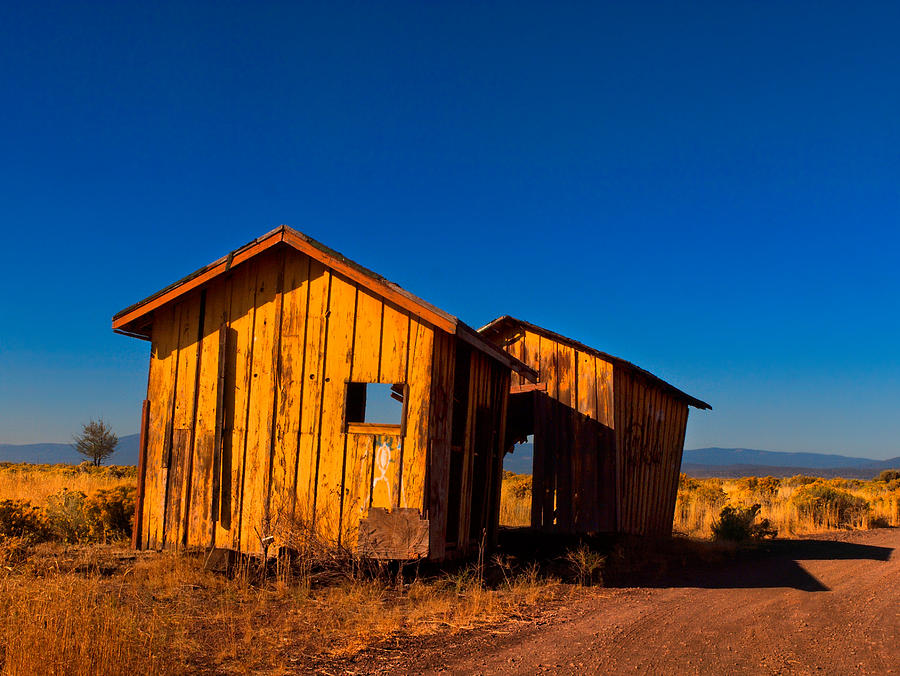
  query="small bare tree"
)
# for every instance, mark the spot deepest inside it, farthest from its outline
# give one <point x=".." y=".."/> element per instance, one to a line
<point x="96" y="441"/>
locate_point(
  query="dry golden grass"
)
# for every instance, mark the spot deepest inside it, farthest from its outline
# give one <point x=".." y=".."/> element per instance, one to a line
<point x="700" y="501"/>
<point x="163" y="613"/>
<point x="104" y="609"/>
<point x="515" y="500"/>
<point x="36" y="483"/>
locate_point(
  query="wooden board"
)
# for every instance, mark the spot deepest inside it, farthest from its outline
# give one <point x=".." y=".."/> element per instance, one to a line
<point x="394" y="341"/>
<point x="289" y="396"/>
<point x="160" y="392"/>
<point x="401" y="534"/>
<point x="238" y="375"/>
<point x="260" y="413"/>
<point x="586" y="385"/>
<point x="367" y="338"/>
<point x="313" y="379"/>
<point x="137" y="521"/>
<point x="415" y="442"/>
<point x="441" y="418"/>
<point x="204" y="473"/>
<point x="184" y="412"/>
<point x="385" y="471"/>
<point x="338" y="359"/>
<point x="357" y="484"/>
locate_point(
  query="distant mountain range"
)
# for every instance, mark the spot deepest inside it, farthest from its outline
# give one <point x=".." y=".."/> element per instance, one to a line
<point x="738" y="462"/>
<point x="50" y="454"/>
<point x="700" y="462"/>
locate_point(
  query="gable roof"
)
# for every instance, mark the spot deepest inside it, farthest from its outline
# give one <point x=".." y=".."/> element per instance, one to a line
<point x="137" y="320"/>
<point x="505" y="322"/>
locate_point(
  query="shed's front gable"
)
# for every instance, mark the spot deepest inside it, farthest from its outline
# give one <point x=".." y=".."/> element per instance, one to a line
<point x="249" y="436"/>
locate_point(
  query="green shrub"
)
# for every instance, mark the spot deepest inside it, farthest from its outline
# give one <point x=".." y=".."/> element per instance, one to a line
<point x="888" y="475"/>
<point x="800" y="480"/>
<point x="110" y="512"/>
<point x="587" y="564"/>
<point x="19" y="519"/>
<point x="823" y="503"/>
<point x="104" y="515"/>
<point x="66" y="514"/>
<point x="736" y="525"/>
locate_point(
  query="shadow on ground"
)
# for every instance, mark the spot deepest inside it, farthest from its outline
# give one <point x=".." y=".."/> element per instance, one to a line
<point x="682" y="562"/>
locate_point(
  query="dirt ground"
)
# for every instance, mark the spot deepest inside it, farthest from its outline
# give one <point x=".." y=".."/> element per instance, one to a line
<point x="824" y="605"/>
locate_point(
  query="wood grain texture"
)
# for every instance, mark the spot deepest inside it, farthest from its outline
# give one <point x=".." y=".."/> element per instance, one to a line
<point x="289" y="396"/>
<point x="367" y="337"/>
<point x="160" y="392"/>
<point x="441" y="418"/>
<point x="238" y="377"/>
<point x="263" y="362"/>
<point x="415" y="442"/>
<point x="313" y="380"/>
<point x="183" y="421"/>
<point x="386" y="471"/>
<point x="332" y="438"/>
<point x="199" y="531"/>
<point x="394" y="344"/>
<point x="357" y="485"/>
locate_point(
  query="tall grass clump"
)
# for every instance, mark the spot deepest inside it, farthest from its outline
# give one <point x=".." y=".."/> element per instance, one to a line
<point x="515" y="500"/>
<point x="831" y="506"/>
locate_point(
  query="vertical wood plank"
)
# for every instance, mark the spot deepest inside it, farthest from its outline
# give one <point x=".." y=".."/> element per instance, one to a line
<point x="367" y="337"/>
<point x="548" y="366"/>
<point x="160" y="392"/>
<point x="531" y="353"/>
<point x="238" y="374"/>
<point x="566" y="375"/>
<point x="295" y="292"/>
<point x="313" y="379"/>
<point x="183" y="420"/>
<point x="205" y="433"/>
<point x="357" y="485"/>
<point x="587" y="385"/>
<point x="418" y="413"/>
<point x="441" y="419"/>
<point x="394" y="340"/>
<point x="338" y="360"/>
<point x="263" y="364"/>
<point x="386" y="471"/>
<point x="137" y="520"/>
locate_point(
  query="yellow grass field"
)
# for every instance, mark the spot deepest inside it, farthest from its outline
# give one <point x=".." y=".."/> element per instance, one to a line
<point x="799" y="505"/>
<point x="85" y="607"/>
<point x="75" y="599"/>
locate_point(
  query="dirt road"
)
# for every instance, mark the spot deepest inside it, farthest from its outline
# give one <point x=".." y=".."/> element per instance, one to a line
<point x="829" y="606"/>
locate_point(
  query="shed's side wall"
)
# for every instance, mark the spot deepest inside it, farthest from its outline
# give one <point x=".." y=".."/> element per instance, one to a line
<point x="574" y="488"/>
<point x="483" y="452"/>
<point x="477" y="493"/>
<point x="650" y="428"/>
<point x="247" y="391"/>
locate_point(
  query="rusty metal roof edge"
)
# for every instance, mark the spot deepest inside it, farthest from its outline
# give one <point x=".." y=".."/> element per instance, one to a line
<point x="507" y="319"/>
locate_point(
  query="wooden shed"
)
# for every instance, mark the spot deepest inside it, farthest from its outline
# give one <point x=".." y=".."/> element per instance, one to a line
<point x="256" y="430"/>
<point x="608" y="436"/>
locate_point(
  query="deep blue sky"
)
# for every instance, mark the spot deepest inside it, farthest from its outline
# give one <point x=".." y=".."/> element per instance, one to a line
<point x="709" y="190"/>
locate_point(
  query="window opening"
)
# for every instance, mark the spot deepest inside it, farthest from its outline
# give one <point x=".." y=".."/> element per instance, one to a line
<point x="376" y="404"/>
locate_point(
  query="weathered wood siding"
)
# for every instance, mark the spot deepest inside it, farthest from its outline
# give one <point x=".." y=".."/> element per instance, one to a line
<point x="573" y="476"/>
<point x="607" y="442"/>
<point x="475" y="495"/>
<point x="650" y="428"/>
<point x="246" y="436"/>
